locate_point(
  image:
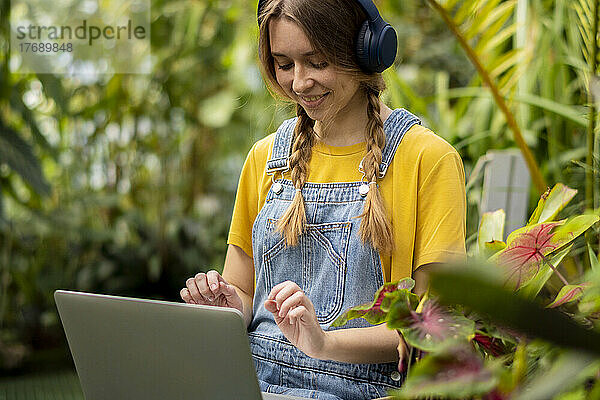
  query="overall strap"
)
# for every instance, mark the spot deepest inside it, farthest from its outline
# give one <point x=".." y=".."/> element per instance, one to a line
<point x="395" y="127"/>
<point x="397" y="124"/>
<point x="282" y="147"/>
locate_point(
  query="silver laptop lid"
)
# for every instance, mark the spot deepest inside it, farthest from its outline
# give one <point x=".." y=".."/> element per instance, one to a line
<point x="127" y="348"/>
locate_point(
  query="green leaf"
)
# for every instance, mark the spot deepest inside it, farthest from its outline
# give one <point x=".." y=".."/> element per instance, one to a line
<point x="456" y="286"/>
<point x="493" y="247"/>
<point x="377" y="311"/>
<point x="456" y="371"/>
<point x="491" y="228"/>
<point x="574" y="227"/>
<point x="452" y="327"/>
<point x="18" y="155"/>
<point x="551" y="203"/>
<point x="567" y="294"/>
<point x="594" y="263"/>
<point x="571" y="368"/>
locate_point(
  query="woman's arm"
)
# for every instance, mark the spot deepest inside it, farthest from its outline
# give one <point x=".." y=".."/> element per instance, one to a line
<point x="295" y="315"/>
<point x="375" y="344"/>
<point x="239" y="272"/>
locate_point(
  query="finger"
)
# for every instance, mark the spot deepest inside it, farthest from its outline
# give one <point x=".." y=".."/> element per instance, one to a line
<point x="185" y="295"/>
<point x="271" y="306"/>
<point x="193" y="289"/>
<point x="291" y="302"/>
<point x="227" y="290"/>
<point x="297" y="314"/>
<point x="212" y="280"/>
<point x="285" y="293"/>
<point x="202" y="285"/>
<point x="278" y="288"/>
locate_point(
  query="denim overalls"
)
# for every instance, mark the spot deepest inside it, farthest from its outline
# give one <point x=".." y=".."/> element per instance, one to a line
<point x="333" y="267"/>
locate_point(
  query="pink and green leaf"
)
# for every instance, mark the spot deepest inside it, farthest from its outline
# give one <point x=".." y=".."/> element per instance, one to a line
<point x="551" y="203"/>
<point x="525" y="252"/>
<point x="528" y="247"/>
<point x="568" y="293"/>
<point x="376" y="312"/>
<point x="535" y="285"/>
<point x="456" y="371"/>
<point x="430" y="328"/>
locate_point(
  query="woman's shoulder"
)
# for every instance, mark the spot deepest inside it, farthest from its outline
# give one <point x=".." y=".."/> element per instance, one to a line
<point x="421" y="142"/>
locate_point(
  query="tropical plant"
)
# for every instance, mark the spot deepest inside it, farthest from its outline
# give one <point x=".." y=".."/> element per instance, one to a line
<point x="499" y="341"/>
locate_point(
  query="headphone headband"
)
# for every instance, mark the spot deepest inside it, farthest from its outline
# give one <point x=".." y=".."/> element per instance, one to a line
<point x="376" y="42"/>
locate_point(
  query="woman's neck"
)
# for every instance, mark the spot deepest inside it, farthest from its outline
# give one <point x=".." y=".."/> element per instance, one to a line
<point x="347" y="127"/>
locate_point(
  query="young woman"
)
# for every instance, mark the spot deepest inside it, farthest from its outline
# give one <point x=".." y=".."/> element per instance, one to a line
<point x="347" y="195"/>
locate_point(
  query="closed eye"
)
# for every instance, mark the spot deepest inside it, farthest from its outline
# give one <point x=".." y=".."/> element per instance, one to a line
<point x="285" y="67"/>
<point x="320" y="65"/>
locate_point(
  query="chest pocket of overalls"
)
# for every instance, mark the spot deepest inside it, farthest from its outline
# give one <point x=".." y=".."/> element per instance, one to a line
<point x="317" y="264"/>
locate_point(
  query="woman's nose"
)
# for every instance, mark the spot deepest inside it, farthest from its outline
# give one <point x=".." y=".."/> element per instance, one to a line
<point x="302" y="80"/>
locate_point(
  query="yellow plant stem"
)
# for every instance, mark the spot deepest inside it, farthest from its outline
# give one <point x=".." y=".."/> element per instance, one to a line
<point x="534" y="170"/>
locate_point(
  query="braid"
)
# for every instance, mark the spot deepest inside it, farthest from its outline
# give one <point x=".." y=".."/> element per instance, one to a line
<point x="293" y="221"/>
<point x="375" y="227"/>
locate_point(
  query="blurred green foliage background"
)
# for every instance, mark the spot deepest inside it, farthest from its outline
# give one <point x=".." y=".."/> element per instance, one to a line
<point x="124" y="184"/>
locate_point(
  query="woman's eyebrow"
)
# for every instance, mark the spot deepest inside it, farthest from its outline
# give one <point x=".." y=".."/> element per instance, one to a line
<point x="310" y="53"/>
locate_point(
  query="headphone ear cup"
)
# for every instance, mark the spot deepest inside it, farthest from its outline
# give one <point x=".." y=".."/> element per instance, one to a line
<point x="363" y="46"/>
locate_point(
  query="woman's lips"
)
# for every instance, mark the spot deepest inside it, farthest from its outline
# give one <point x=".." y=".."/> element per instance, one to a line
<point x="312" y="103"/>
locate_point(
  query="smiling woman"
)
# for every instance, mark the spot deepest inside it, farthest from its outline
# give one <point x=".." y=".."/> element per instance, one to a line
<point x="347" y="195"/>
<point x="305" y="76"/>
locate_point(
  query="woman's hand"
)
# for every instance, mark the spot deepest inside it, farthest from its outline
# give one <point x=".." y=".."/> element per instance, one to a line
<point x="211" y="289"/>
<point x="295" y="315"/>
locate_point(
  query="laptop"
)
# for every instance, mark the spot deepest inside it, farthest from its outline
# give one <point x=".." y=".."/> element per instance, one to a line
<point x="126" y="348"/>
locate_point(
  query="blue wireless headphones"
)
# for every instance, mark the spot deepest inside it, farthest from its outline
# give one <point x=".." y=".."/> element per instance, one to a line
<point x="376" y="43"/>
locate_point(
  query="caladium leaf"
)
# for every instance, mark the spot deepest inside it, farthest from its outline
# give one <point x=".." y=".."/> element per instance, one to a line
<point x="551" y="203"/>
<point x="525" y="252"/>
<point x="376" y="312"/>
<point x="456" y="371"/>
<point x="491" y="228"/>
<point x="568" y="293"/>
<point x="432" y="327"/>
<point x="528" y="247"/>
<point x="531" y="289"/>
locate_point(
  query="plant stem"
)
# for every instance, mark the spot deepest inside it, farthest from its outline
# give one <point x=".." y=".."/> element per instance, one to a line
<point x="591" y="172"/>
<point x="561" y="277"/>
<point x="409" y="363"/>
<point x="534" y="170"/>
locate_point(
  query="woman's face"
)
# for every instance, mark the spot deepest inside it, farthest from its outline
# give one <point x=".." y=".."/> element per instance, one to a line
<point x="304" y="75"/>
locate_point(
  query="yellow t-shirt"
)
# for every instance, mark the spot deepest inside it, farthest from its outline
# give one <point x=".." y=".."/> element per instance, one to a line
<point x="423" y="192"/>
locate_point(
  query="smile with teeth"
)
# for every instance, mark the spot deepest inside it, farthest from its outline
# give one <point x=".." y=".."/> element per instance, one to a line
<point x="313" y="101"/>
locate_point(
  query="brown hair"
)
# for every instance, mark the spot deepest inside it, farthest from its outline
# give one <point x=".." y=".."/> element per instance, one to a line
<point x="332" y="27"/>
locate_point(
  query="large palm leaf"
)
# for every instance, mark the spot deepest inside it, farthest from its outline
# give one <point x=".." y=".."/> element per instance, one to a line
<point x="587" y="18"/>
<point x="486" y="29"/>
